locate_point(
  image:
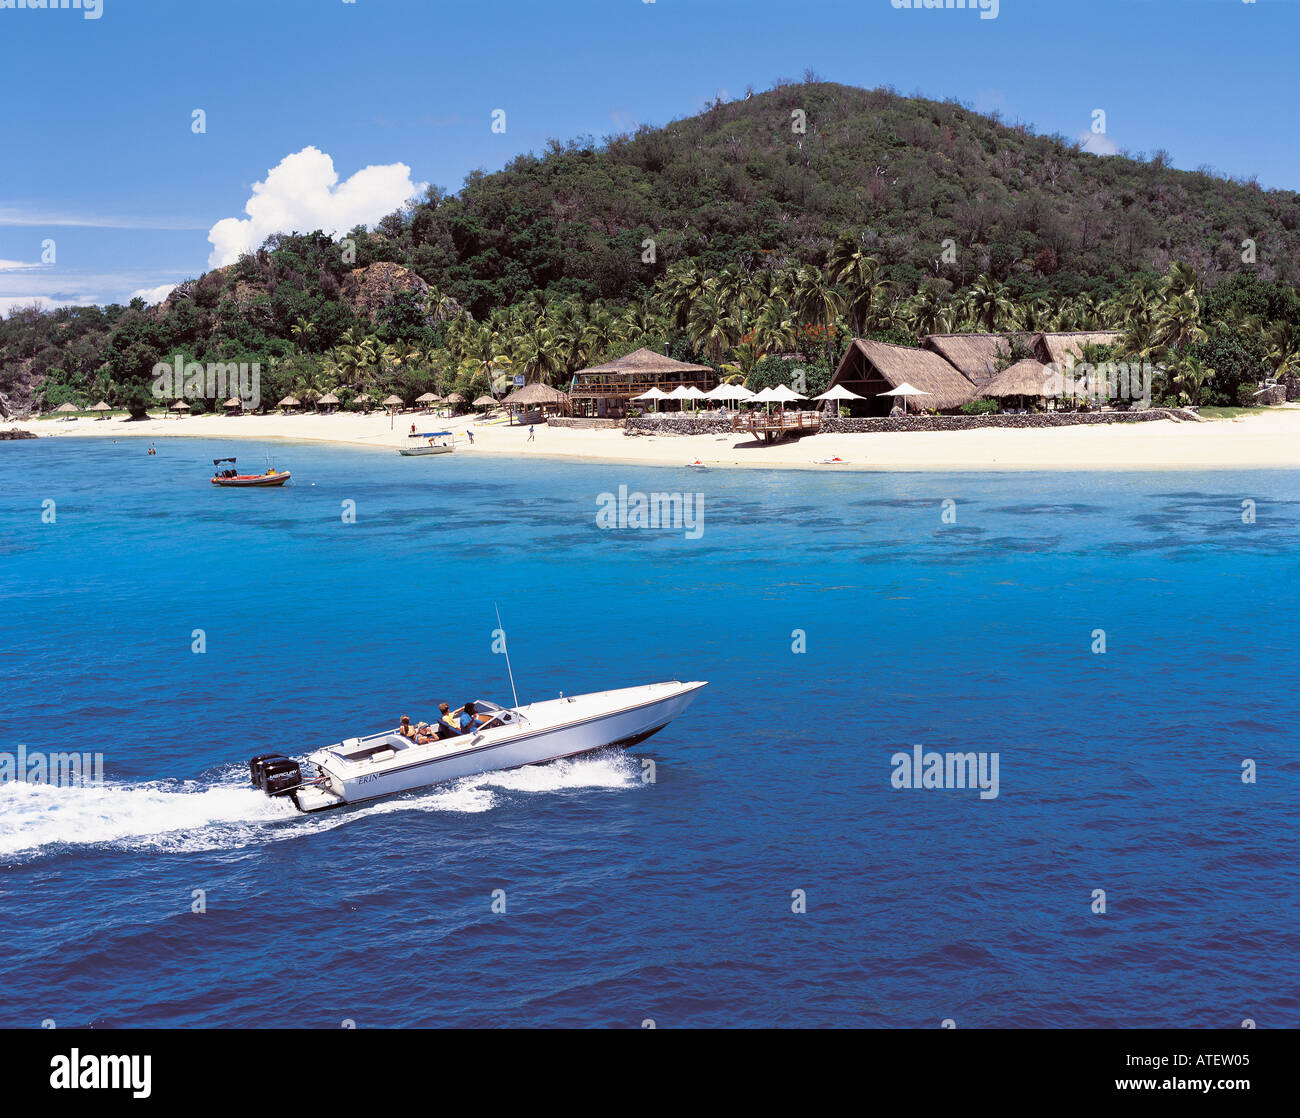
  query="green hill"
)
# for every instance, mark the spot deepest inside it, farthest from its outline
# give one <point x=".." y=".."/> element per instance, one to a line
<point x="932" y="217"/>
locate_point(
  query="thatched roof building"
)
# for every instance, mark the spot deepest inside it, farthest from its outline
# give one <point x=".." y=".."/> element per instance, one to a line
<point x="1066" y="348"/>
<point x="976" y="355"/>
<point x="538" y="395"/>
<point x="1024" y="378"/>
<point x="607" y="389"/>
<point x="870" y="368"/>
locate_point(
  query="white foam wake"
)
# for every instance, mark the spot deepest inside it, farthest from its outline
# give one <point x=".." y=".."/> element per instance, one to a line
<point x="192" y="816"/>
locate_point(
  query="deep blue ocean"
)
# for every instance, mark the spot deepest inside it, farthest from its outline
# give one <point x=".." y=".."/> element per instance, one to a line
<point x="671" y="901"/>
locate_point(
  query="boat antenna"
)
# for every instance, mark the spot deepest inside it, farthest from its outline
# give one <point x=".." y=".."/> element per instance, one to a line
<point x="506" y="649"/>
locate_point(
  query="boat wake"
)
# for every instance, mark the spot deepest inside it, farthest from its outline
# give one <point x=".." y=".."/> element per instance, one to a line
<point x="226" y="813"/>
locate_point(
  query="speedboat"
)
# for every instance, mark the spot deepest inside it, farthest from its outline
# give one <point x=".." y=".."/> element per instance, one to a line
<point x="443" y="447"/>
<point x="386" y="763"/>
<point x="226" y="474"/>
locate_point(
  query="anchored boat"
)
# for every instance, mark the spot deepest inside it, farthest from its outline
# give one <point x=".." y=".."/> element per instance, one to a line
<point x="440" y="442"/>
<point x="225" y="474"/>
<point x="386" y="763"/>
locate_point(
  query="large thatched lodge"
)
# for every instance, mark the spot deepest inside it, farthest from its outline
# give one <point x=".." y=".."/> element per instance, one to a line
<point x="956" y="369"/>
<point x="951" y="369"/>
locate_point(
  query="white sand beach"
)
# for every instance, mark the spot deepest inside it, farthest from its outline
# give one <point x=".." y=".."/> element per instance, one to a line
<point x="1269" y="439"/>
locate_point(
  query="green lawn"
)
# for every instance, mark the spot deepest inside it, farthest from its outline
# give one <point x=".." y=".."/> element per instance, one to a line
<point x="1229" y="413"/>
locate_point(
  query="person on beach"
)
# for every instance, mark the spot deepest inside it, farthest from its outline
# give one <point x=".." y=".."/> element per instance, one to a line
<point x="471" y="437"/>
<point x="530" y="434"/>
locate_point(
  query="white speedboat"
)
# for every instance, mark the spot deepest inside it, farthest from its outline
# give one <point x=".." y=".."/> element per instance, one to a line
<point x="386" y="763"/>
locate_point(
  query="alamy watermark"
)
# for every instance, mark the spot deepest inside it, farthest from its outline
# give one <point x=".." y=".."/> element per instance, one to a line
<point x="675" y="512"/>
<point x="924" y="768"/>
<point x="1110" y="380"/>
<point x="63" y="770"/>
<point x="90" y="9"/>
<point x="179" y="380"/>
<point x="988" y="9"/>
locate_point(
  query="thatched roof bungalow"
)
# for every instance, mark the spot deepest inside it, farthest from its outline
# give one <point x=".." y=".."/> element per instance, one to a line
<point x="870" y="368"/>
<point x="605" y="390"/>
<point x="1027" y="379"/>
<point x="977" y="355"/>
<point x="541" y="397"/>
<point x="1064" y="349"/>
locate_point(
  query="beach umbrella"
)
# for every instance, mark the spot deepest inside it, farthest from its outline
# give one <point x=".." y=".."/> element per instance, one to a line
<point x="393" y="402"/>
<point x="905" y="390"/>
<point x="67" y="407"/>
<point x="233" y="403"/>
<point x="363" y="401"/>
<point x="485" y="402"/>
<point x="656" y="394"/>
<point x="426" y="398"/>
<point x="839" y="392"/>
<point x="329" y="400"/>
<point x="454" y="398"/>
<point x="783" y="395"/>
<point x="686" y="392"/>
<point x="288" y="402"/>
<point x="180" y="406"/>
<point x="101" y="407"/>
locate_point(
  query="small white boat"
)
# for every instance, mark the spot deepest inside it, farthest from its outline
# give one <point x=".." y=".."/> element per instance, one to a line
<point x="387" y="763"/>
<point x="440" y="442"/>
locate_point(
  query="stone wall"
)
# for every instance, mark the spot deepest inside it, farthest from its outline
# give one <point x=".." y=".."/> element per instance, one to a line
<point x="677" y="424"/>
<point x="967" y="422"/>
<point x="581" y="421"/>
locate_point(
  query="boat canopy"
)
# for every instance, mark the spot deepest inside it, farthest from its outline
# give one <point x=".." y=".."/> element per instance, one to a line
<point x="427" y="434"/>
<point x="218" y="461"/>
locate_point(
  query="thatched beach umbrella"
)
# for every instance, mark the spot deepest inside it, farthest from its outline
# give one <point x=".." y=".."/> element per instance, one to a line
<point x="329" y="400"/>
<point x="485" y="402"/>
<point x="289" y="402"/>
<point x="67" y="408"/>
<point x="180" y="408"/>
<point x="454" y="398"/>
<point x="363" y="401"/>
<point x="426" y="398"/>
<point x="102" y="406"/>
<point x="394" y="402"/>
<point x="234" y="404"/>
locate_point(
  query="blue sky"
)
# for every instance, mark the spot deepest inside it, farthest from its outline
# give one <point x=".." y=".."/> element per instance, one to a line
<point x="98" y="151"/>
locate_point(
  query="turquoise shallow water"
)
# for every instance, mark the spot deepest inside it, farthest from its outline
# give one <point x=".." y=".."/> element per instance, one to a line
<point x="670" y="901"/>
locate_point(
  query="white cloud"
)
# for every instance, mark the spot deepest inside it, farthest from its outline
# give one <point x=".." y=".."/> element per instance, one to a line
<point x="14" y="265"/>
<point x="153" y="294"/>
<point x="303" y="193"/>
<point x="20" y="216"/>
<point x="1098" y="143"/>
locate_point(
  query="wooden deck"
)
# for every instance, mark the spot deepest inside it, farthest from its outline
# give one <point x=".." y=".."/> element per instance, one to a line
<point x="779" y="425"/>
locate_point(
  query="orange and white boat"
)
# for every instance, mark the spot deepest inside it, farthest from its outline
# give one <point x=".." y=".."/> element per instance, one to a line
<point x="226" y="474"/>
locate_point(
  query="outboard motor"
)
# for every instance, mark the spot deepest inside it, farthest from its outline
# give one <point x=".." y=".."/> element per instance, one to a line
<point x="274" y="773"/>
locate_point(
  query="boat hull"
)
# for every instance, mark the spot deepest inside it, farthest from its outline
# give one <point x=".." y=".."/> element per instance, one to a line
<point x="252" y="481"/>
<point x="493" y="750"/>
<point x="421" y="451"/>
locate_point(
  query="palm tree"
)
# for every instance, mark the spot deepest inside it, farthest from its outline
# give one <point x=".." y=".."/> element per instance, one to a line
<point x="1178" y="322"/>
<point x="990" y="305"/>
<point x="817" y="303"/>
<point x="850" y="265"/>
<point x="1283" y="342"/>
<point x="300" y="329"/>
<point x="710" y="327"/>
<point x="1190" y="378"/>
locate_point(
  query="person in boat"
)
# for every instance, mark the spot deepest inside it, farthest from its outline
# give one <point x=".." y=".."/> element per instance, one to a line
<point x="447" y="726"/>
<point x="406" y="729"/>
<point x="424" y="734"/>
<point x="469" y="719"/>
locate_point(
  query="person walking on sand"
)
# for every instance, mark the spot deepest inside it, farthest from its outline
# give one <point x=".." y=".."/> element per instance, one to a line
<point x="471" y="436"/>
<point x="530" y="434"/>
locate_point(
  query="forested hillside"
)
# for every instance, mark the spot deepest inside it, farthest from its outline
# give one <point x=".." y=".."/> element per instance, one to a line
<point x="786" y="221"/>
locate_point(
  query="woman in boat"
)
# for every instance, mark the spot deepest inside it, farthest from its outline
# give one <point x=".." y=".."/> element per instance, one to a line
<point x="406" y="729"/>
